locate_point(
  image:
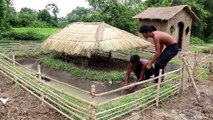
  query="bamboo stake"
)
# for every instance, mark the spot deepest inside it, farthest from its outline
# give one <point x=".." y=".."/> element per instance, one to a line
<point x="39" y="72"/>
<point x="158" y="88"/>
<point x="92" y="105"/>
<point x="191" y="77"/>
<point x="14" y="63"/>
<point x="181" y="81"/>
<point x="91" y="110"/>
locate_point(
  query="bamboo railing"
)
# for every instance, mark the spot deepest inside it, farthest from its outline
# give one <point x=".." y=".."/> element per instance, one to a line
<point x="57" y="99"/>
<point x="148" y="95"/>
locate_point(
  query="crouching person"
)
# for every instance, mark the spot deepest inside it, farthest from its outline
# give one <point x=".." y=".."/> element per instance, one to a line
<point x="138" y="67"/>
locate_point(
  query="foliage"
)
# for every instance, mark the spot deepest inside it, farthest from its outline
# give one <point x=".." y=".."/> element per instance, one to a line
<point x="118" y="13"/>
<point x="54" y="9"/>
<point x="141" y="99"/>
<point x="46" y="32"/>
<point x="196" y="47"/>
<point x="80" y="14"/>
<point x="196" y="40"/>
<point x="3" y="15"/>
<point x="29" y="33"/>
<point x="137" y="52"/>
<point x="32" y="54"/>
<point x="82" y="72"/>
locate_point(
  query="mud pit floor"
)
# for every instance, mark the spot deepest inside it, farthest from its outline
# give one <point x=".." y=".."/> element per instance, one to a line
<point x="185" y="107"/>
<point x="22" y="105"/>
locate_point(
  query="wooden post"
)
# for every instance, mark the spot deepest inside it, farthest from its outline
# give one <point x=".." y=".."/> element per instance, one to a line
<point x="192" y="79"/>
<point x="184" y="72"/>
<point x="92" y="111"/>
<point x="92" y="92"/>
<point x="14" y="60"/>
<point x="92" y="105"/>
<point x="39" y="76"/>
<point x="181" y="81"/>
<point x="39" y="71"/>
<point x="158" y="88"/>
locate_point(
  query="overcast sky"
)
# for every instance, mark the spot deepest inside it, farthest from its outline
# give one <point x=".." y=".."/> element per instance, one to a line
<point x="65" y="6"/>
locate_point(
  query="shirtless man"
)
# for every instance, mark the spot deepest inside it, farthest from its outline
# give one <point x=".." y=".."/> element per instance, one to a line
<point x="138" y="67"/>
<point x="161" y="39"/>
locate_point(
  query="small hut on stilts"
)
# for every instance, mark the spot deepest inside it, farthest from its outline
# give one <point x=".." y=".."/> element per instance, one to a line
<point x="92" y="38"/>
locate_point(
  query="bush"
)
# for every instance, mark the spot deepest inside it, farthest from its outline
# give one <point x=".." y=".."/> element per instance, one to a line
<point x="196" y="40"/>
<point x="210" y="38"/>
<point x="28" y="35"/>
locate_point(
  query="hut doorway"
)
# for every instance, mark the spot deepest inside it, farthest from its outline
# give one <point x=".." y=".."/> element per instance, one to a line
<point x="180" y="34"/>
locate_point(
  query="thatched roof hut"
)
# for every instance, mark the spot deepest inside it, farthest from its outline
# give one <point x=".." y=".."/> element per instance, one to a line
<point x="85" y="39"/>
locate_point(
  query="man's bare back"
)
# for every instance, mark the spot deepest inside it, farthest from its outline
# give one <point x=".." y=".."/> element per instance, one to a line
<point x="163" y="38"/>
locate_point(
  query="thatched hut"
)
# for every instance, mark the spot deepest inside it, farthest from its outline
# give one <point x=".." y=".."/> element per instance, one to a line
<point x="174" y="20"/>
<point x="85" y="39"/>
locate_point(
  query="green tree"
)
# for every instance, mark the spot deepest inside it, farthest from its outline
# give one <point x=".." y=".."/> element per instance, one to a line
<point x="54" y="9"/>
<point x="117" y="13"/>
<point x="3" y="15"/>
<point x="80" y="14"/>
<point x="44" y="15"/>
<point x="27" y="17"/>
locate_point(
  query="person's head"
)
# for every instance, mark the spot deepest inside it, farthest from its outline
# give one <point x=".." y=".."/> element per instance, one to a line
<point x="146" y="31"/>
<point x="134" y="59"/>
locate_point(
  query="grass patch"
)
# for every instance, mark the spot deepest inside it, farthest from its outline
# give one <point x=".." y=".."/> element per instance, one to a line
<point x="32" y="54"/>
<point x="194" y="47"/>
<point x="81" y="72"/>
<point x="138" y="52"/>
<point x="130" y="102"/>
<point x="46" y="32"/>
<point x="203" y="73"/>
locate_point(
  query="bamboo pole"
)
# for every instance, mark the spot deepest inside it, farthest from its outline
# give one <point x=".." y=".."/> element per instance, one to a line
<point x="92" y="105"/>
<point x="39" y="72"/>
<point x="191" y="77"/>
<point x="14" y="63"/>
<point x="158" y="88"/>
<point x="181" y="81"/>
<point x="91" y="110"/>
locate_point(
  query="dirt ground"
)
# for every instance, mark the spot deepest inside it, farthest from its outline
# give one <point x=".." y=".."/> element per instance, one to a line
<point x="185" y="107"/>
<point x="22" y="105"/>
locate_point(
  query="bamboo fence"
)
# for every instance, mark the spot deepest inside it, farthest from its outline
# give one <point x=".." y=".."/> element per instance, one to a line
<point x="149" y="94"/>
<point x="9" y="48"/>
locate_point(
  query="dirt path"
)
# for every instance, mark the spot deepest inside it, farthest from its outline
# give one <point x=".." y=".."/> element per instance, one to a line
<point x="22" y="105"/>
<point x="185" y="107"/>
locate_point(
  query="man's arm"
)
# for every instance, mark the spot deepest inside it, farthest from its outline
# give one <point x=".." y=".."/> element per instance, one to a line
<point x="158" y="49"/>
<point x="130" y="68"/>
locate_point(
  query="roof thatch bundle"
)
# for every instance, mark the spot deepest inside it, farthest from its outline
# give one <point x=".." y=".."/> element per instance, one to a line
<point x="164" y="13"/>
<point x="86" y="39"/>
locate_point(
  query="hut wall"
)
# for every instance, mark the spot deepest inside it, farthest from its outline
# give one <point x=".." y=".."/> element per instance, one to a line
<point x="158" y="24"/>
<point x="176" y="21"/>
